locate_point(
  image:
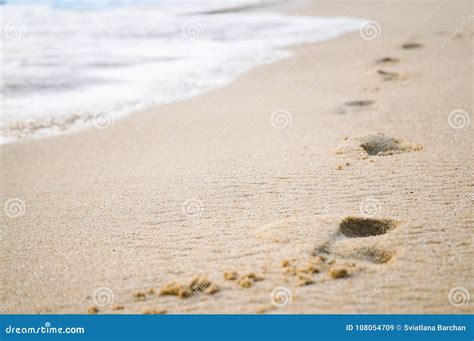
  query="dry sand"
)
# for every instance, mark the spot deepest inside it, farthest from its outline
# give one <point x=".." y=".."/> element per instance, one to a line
<point x="208" y="185"/>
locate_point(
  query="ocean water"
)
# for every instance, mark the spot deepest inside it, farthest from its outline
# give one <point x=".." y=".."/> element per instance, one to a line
<point x="69" y="63"/>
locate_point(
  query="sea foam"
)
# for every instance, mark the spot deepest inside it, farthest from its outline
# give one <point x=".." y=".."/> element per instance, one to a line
<point x="65" y="62"/>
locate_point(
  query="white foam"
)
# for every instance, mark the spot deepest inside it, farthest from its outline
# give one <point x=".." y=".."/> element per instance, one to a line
<point x="76" y="62"/>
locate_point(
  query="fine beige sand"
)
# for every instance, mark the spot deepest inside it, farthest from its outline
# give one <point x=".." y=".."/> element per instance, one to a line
<point x="360" y="203"/>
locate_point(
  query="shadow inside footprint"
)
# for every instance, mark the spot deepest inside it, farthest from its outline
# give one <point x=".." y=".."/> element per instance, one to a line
<point x="374" y="255"/>
<point x="375" y="144"/>
<point x="387" y="60"/>
<point x="387" y="75"/>
<point x="410" y="46"/>
<point x="358" y="104"/>
<point x="354" y="227"/>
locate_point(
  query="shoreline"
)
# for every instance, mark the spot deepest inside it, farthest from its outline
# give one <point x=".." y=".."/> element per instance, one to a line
<point x="100" y="116"/>
<point x="213" y="184"/>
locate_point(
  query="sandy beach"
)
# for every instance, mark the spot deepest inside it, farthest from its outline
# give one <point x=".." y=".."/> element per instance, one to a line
<point x="336" y="181"/>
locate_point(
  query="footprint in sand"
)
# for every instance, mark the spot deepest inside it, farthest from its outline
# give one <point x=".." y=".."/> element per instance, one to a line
<point x="352" y="241"/>
<point x="359" y="104"/>
<point x="375" y="145"/>
<point x="354" y="245"/>
<point x="411" y="46"/>
<point x="384" y="145"/>
<point x="355" y="227"/>
<point x="360" y="227"/>
<point x="374" y="255"/>
<point x="387" y="60"/>
<point x="389" y="76"/>
<point x="354" y="105"/>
